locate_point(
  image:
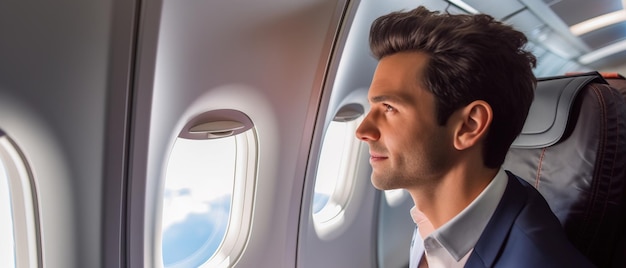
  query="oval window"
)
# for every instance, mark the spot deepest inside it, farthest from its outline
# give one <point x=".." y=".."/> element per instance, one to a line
<point x="337" y="163"/>
<point x="208" y="186"/>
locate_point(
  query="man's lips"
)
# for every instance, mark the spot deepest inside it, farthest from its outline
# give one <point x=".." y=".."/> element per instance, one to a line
<point x="374" y="157"/>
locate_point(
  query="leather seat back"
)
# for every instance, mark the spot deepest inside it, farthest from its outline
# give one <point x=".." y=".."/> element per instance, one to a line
<point x="573" y="150"/>
<point x="616" y="81"/>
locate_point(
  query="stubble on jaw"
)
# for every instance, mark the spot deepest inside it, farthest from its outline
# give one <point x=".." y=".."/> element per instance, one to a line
<point x="422" y="169"/>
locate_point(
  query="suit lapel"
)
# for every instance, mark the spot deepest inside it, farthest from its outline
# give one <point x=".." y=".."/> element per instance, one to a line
<point x="493" y="238"/>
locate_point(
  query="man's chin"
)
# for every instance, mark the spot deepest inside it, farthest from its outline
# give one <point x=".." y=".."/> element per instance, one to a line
<point x="382" y="183"/>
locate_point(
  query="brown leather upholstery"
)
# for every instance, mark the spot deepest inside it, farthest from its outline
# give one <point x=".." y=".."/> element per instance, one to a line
<point x="618" y="82"/>
<point x="582" y="174"/>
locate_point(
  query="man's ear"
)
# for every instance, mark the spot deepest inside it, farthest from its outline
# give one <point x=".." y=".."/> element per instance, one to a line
<point x="472" y="124"/>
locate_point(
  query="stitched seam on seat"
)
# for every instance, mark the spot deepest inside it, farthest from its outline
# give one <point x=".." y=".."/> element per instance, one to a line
<point x="599" y="160"/>
<point x="538" y="178"/>
<point x="604" y="134"/>
<point x="616" y="144"/>
<point x="615" y="152"/>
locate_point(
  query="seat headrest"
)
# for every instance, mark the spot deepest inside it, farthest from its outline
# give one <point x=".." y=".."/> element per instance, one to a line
<point x="618" y="82"/>
<point x="549" y="113"/>
<point x="605" y="75"/>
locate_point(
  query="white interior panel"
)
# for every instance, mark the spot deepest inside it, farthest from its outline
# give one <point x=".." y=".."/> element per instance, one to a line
<point x="498" y="9"/>
<point x="527" y="23"/>
<point x="53" y="84"/>
<point x="264" y="58"/>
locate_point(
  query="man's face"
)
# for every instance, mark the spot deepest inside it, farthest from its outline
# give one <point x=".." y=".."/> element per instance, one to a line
<point x="407" y="146"/>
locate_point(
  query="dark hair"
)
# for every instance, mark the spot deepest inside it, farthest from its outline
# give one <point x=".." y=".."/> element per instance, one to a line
<point x="471" y="57"/>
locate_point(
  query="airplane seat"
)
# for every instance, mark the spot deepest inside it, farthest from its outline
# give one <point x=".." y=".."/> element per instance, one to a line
<point x="617" y="81"/>
<point x="573" y="150"/>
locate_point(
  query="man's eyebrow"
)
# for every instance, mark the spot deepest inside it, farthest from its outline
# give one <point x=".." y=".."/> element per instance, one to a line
<point x="389" y="98"/>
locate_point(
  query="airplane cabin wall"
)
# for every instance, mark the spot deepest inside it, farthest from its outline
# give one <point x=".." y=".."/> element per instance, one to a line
<point x="54" y="60"/>
<point x="266" y="59"/>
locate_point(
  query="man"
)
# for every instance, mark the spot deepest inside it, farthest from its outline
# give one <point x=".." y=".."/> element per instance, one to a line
<point x="449" y="96"/>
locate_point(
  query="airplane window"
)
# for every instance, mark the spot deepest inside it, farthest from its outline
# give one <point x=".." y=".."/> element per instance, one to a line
<point x="337" y="163"/>
<point x="19" y="242"/>
<point x="207" y="189"/>
<point x="197" y="198"/>
<point x="329" y="165"/>
<point x="7" y="243"/>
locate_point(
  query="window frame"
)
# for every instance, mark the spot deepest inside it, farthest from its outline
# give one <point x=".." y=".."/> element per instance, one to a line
<point x="239" y="225"/>
<point x="24" y="204"/>
<point x="334" y="223"/>
<point x="338" y="199"/>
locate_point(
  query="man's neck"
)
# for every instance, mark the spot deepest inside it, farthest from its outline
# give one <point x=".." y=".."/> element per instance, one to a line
<point x="450" y="194"/>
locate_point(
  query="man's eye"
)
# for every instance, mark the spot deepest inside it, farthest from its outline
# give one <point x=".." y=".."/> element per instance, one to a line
<point x="389" y="108"/>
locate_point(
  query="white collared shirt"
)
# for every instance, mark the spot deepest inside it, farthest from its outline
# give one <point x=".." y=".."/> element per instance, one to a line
<point x="452" y="244"/>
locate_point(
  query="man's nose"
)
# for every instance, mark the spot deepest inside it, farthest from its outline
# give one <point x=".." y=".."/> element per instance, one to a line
<point x="367" y="130"/>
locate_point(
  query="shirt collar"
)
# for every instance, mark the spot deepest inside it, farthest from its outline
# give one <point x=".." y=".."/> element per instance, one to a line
<point x="459" y="235"/>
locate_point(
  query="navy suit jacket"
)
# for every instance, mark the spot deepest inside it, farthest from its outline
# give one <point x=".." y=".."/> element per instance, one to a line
<point x="523" y="232"/>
